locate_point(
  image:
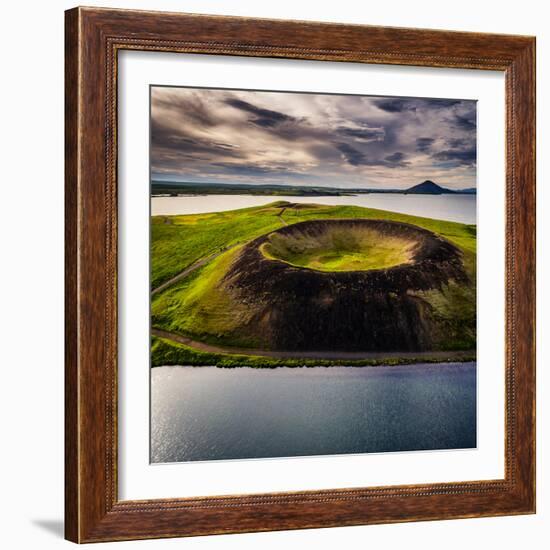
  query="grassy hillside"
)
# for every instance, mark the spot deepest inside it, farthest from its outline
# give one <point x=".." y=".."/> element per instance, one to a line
<point x="179" y="241"/>
<point x="199" y="307"/>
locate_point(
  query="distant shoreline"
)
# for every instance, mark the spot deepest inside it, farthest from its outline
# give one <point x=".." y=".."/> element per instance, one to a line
<point x="238" y="357"/>
<point x="289" y="194"/>
<point x="177" y="189"/>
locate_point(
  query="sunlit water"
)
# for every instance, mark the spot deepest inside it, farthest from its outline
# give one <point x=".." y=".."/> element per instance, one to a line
<point x="208" y="413"/>
<point x="456" y="208"/>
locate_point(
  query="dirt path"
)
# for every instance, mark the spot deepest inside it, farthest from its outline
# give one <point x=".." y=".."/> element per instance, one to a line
<point x="187" y="271"/>
<point x="335" y="355"/>
<point x="280" y="215"/>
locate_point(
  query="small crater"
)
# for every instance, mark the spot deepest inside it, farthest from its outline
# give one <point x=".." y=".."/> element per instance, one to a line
<point x="340" y="246"/>
<point x="345" y="284"/>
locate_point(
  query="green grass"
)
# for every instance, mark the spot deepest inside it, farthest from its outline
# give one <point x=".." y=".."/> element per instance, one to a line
<point x="198" y="308"/>
<point x="340" y="249"/>
<point x="166" y="353"/>
<point x="179" y="241"/>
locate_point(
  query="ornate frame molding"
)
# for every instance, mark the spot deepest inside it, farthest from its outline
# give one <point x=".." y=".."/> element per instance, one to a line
<point x="93" y="39"/>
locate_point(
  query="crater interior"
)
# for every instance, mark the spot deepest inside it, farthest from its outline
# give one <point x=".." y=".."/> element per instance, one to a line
<point x="340" y="247"/>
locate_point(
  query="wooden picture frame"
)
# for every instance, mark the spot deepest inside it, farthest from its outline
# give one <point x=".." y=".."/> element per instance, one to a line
<point x="93" y="511"/>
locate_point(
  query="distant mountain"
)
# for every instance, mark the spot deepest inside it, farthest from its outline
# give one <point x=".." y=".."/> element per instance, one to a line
<point x="428" y="187"/>
<point x="468" y="191"/>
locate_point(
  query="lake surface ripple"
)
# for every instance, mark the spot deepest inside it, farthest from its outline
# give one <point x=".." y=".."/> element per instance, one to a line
<point x="209" y="413"/>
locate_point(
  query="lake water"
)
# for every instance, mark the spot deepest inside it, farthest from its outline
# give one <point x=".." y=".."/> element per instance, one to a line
<point x="209" y="413"/>
<point x="456" y="208"/>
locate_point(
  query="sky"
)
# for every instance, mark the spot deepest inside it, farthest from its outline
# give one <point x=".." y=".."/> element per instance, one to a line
<point x="236" y="136"/>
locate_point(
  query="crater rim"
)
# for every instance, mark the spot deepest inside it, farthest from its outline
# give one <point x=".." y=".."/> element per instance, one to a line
<point x="404" y="245"/>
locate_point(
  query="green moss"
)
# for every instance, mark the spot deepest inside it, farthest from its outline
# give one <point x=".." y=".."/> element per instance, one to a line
<point x="454" y="308"/>
<point x="340" y="249"/>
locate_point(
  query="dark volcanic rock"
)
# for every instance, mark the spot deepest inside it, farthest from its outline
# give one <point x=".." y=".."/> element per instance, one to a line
<point x="305" y="309"/>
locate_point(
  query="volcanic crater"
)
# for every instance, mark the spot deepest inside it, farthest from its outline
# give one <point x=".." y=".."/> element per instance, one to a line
<point x="344" y="284"/>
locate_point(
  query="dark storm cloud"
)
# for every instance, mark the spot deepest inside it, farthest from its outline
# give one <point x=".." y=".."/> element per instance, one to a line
<point x="394" y="105"/>
<point x="465" y="122"/>
<point x="357" y="158"/>
<point x="164" y="139"/>
<point x="430" y="103"/>
<point x="267" y="137"/>
<point x="455" y="143"/>
<point x="465" y="119"/>
<point x="351" y="154"/>
<point x="397" y="159"/>
<point x="263" y="117"/>
<point x="456" y="157"/>
<point x="424" y="144"/>
<point x="401" y="105"/>
<point x="364" y="133"/>
<point x="257" y="170"/>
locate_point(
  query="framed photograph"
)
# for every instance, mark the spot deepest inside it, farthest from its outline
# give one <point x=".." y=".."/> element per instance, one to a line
<point x="300" y="275"/>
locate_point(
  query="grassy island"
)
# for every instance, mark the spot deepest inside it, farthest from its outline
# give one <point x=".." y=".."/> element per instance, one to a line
<point x="305" y="284"/>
